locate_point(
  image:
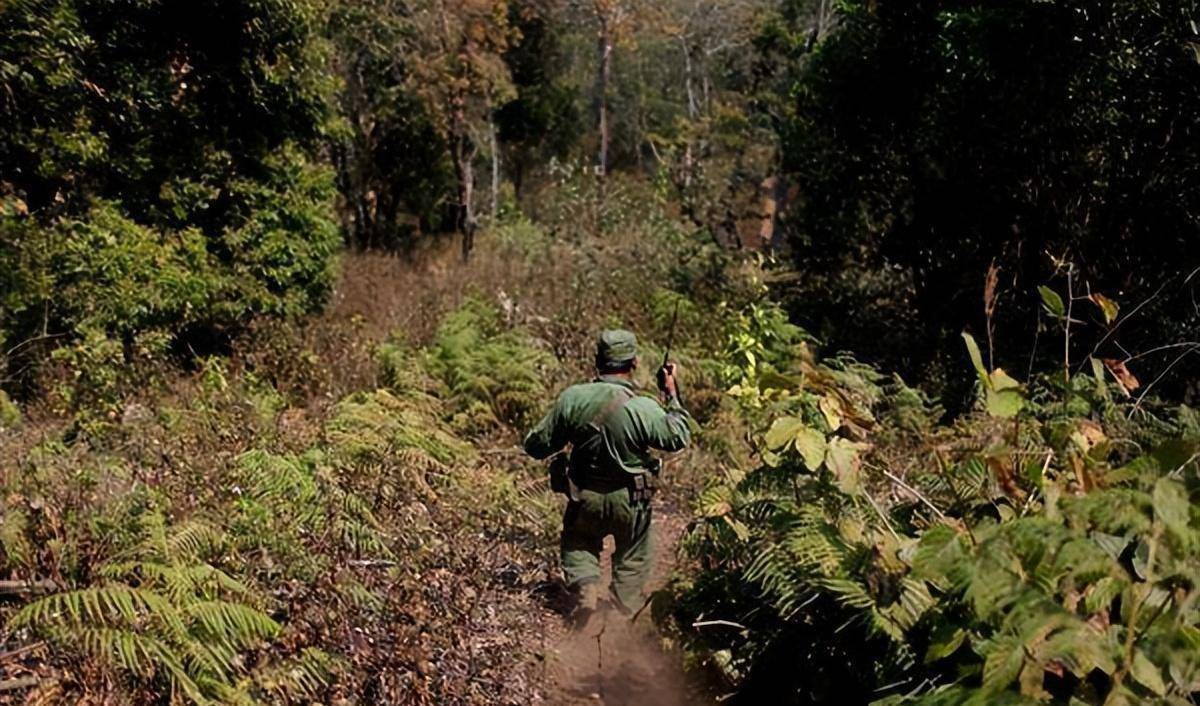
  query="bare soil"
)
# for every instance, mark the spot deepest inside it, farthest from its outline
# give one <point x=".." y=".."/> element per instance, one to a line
<point x="613" y="661"/>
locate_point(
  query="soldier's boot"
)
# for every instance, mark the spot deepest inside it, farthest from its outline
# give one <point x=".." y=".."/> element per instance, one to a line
<point x="587" y="600"/>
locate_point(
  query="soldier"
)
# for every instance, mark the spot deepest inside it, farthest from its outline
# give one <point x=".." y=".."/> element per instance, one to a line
<point x="610" y="474"/>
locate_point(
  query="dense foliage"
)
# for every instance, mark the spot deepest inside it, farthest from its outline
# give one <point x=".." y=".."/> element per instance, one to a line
<point x="156" y="185"/>
<point x="1041" y="548"/>
<point x="931" y="141"/>
<point x="324" y="502"/>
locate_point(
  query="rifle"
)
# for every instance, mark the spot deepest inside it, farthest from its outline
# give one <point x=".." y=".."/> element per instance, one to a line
<point x="662" y="371"/>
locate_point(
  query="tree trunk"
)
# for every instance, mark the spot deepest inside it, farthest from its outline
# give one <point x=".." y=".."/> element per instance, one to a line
<point x="687" y="78"/>
<point x="464" y="175"/>
<point x="495" y="166"/>
<point x="604" y="47"/>
<point x="463" y="154"/>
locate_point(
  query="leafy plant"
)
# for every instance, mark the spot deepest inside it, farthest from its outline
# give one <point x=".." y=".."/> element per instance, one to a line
<point x="1041" y="548"/>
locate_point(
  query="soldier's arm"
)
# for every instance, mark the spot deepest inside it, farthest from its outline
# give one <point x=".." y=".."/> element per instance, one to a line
<point x="666" y="429"/>
<point x="550" y="435"/>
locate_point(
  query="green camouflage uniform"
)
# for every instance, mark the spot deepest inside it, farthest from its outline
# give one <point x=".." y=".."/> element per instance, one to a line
<point x="604" y="465"/>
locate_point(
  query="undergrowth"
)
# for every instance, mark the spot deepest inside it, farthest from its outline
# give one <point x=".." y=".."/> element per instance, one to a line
<point x="337" y="511"/>
<point x="1043" y="548"/>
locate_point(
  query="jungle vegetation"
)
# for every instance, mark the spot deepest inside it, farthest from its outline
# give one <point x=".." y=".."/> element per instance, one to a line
<point x="282" y="281"/>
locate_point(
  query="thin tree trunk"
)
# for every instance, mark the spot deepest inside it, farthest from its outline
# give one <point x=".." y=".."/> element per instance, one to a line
<point x="495" y="167"/>
<point x="462" y="154"/>
<point x="687" y="78"/>
<point x="603" y="75"/>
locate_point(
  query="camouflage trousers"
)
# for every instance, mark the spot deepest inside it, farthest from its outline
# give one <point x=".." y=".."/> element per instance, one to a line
<point x="587" y="522"/>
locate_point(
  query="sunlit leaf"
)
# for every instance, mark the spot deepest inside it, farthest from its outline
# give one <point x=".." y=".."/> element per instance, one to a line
<point x="1146" y="674"/>
<point x="841" y="457"/>
<point x="1003" y="396"/>
<point x="976" y="356"/>
<point x="1108" y="307"/>
<point x="831" y="408"/>
<point x="811" y="445"/>
<point x="782" y="432"/>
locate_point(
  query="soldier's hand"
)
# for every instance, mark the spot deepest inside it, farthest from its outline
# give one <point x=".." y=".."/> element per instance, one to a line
<point x="666" y="381"/>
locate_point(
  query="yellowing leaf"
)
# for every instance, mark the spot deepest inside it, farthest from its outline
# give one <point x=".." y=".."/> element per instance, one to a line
<point x="831" y="408"/>
<point x="1108" y="307"/>
<point x="1087" y="434"/>
<point x="782" y="432"/>
<point x="841" y="458"/>
<point x="811" y="445"/>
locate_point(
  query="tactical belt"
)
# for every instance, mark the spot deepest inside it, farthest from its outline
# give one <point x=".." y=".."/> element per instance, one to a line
<point x="641" y="486"/>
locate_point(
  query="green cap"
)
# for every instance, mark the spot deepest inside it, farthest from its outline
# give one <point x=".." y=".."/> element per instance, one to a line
<point x="614" y="347"/>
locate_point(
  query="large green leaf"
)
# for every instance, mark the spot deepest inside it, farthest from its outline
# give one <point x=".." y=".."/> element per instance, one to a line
<point x="1052" y="301"/>
<point x="782" y="432"/>
<point x="811" y="445"/>
<point x="1146" y="674"/>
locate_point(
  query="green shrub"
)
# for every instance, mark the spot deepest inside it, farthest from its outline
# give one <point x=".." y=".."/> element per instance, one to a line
<point x="10" y="413"/>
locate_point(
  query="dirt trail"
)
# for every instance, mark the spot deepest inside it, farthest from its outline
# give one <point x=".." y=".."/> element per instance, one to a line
<point x="614" y="662"/>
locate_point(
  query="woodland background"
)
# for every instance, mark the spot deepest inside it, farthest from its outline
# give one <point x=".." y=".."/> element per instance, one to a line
<point x="281" y="281"/>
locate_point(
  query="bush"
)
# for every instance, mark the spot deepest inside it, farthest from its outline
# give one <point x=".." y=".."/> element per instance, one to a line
<point x="10" y="413"/>
<point x="156" y="183"/>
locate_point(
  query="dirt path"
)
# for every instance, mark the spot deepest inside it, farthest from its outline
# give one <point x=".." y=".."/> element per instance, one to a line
<point x="615" y="662"/>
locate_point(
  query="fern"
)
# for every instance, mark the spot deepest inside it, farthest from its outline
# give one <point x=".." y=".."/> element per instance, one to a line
<point x="1019" y="559"/>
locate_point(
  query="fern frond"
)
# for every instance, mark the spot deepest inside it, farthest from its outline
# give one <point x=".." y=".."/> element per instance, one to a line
<point x="233" y="624"/>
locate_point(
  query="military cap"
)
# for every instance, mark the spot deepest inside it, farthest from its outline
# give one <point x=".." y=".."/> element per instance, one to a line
<point x="615" y="347"/>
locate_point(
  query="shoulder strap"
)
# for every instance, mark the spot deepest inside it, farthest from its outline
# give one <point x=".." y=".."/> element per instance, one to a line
<point x="616" y="404"/>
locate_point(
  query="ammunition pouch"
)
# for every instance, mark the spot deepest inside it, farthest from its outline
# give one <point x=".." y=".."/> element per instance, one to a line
<point x="560" y="474"/>
<point x="642" y="487"/>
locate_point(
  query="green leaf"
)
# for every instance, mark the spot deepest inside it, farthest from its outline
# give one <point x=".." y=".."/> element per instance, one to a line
<point x="1003" y="395"/>
<point x="1053" y="302"/>
<point x="1003" y="663"/>
<point x="1004" y="403"/>
<point x="976" y="356"/>
<point x="783" y="430"/>
<point x="841" y="457"/>
<point x="1146" y="674"/>
<point x="945" y="641"/>
<point x="811" y="445"/>
<point x="1171" y="507"/>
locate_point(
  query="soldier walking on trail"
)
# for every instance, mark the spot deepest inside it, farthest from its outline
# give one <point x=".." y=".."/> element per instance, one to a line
<point x="610" y="475"/>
